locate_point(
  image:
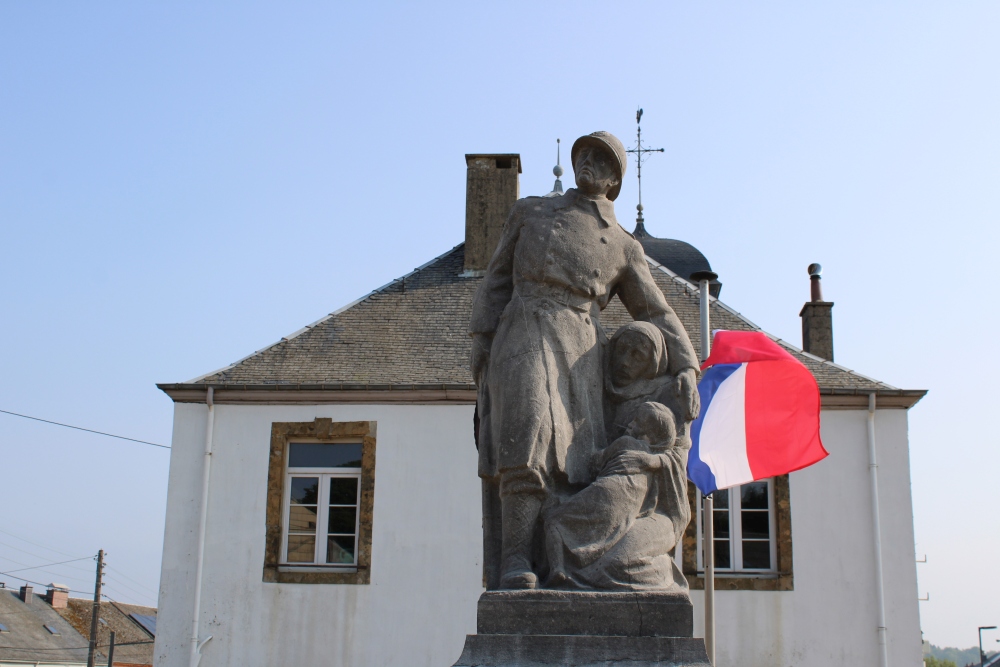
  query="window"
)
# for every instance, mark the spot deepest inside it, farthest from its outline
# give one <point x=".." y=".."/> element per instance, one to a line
<point x="3" y="628"/>
<point x="323" y="490"/>
<point x="52" y="630"/>
<point x="319" y="502"/>
<point x="753" y="537"/>
<point x="744" y="529"/>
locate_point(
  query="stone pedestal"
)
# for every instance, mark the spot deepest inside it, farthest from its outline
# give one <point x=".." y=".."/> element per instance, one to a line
<point x="544" y="627"/>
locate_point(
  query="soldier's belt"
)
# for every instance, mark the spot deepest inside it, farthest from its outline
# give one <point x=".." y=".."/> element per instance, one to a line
<point x="561" y="296"/>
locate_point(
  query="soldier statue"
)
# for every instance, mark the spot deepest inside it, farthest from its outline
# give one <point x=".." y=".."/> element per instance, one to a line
<point x="538" y="353"/>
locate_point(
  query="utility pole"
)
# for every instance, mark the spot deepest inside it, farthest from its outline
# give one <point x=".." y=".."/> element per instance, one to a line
<point x="111" y="650"/>
<point x="95" y="614"/>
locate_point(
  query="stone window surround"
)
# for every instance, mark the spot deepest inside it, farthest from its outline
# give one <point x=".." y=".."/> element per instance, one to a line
<point x="782" y="580"/>
<point x="322" y="429"/>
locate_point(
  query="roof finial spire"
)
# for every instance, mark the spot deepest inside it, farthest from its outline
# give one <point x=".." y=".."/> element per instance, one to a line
<point x="557" y="189"/>
<point x="640" y="152"/>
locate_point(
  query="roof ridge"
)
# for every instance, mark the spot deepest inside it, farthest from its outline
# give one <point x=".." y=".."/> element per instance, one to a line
<point x="827" y="362"/>
<point x="299" y="332"/>
<point x="712" y="299"/>
<point x="691" y="287"/>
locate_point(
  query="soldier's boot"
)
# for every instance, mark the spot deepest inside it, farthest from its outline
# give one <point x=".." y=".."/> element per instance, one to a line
<point x="519" y="515"/>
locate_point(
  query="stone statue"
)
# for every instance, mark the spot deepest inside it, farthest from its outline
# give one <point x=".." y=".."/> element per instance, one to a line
<point x="565" y="508"/>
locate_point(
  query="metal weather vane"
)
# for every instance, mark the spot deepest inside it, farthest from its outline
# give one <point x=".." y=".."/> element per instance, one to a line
<point x="641" y="155"/>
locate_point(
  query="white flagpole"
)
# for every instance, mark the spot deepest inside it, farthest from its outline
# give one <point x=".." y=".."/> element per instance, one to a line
<point x="708" y="511"/>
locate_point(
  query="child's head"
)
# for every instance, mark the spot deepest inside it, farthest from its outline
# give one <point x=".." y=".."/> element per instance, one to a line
<point x="654" y="423"/>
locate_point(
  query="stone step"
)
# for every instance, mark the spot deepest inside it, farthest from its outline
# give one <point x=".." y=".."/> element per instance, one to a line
<point x="499" y="650"/>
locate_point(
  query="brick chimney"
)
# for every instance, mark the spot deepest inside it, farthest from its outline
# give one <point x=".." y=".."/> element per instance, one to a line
<point x="25" y="594"/>
<point x="491" y="188"/>
<point x="817" y="318"/>
<point x="57" y="596"/>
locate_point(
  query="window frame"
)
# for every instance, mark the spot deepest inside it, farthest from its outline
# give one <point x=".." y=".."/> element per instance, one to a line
<point x="779" y="578"/>
<point x="735" y="508"/>
<point x="321" y="430"/>
<point x="324" y="476"/>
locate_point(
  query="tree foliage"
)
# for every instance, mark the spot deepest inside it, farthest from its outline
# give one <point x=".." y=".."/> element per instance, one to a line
<point x="931" y="661"/>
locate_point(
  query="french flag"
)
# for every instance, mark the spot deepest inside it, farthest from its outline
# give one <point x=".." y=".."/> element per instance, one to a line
<point x="759" y="414"/>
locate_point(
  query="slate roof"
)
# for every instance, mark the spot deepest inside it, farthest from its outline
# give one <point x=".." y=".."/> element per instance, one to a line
<point x="413" y="332"/>
<point x="28" y="641"/>
<point x="133" y="644"/>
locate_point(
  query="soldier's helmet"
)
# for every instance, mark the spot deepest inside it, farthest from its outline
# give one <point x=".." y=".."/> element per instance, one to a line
<point x="611" y="144"/>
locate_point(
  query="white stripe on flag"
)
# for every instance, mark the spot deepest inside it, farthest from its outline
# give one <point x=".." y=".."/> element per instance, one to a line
<point x="723" y="443"/>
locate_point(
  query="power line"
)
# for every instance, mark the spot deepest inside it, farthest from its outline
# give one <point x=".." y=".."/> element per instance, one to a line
<point x="32" y="553"/>
<point x="88" y="430"/>
<point x="149" y="590"/>
<point x="74" y="648"/>
<point x="41" y="568"/>
<point x="124" y="597"/>
<point x="29" y="648"/>
<point x="33" y="543"/>
<point x="117" y="582"/>
<point x="38" y="583"/>
<point x="35" y="567"/>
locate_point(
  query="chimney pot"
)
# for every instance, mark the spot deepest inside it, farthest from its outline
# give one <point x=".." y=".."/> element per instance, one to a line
<point x="815" y="286"/>
<point x="25" y="595"/>
<point x="57" y="596"/>
<point x="817" y="318"/>
<point x="491" y="188"/>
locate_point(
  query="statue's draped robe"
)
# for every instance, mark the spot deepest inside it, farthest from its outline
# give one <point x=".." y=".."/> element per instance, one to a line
<point x="558" y="263"/>
<point x="619" y="533"/>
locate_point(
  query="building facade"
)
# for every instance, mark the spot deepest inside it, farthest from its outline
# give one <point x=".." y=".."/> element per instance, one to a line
<point x="324" y="509"/>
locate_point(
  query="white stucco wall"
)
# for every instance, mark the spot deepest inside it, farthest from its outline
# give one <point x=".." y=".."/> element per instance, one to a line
<point x="830" y="617"/>
<point x="427" y="552"/>
<point x="426" y="570"/>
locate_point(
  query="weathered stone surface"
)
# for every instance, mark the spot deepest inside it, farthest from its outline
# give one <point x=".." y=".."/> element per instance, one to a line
<point x="539" y="359"/>
<point x="548" y="612"/>
<point x="491" y="189"/>
<point x="581" y="651"/>
<point x="817" y="328"/>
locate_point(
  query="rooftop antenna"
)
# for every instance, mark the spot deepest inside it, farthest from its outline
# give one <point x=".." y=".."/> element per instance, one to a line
<point x="557" y="189"/>
<point x="641" y="155"/>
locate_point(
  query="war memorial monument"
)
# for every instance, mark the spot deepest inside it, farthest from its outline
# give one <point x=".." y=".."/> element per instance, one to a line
<point x="583" y="440"/>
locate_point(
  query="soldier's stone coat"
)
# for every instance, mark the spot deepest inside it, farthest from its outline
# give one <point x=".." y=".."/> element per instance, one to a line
<point x="559" y="261"/>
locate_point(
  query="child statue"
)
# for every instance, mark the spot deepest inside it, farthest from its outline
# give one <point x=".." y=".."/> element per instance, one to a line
<point x="620" y="532"/>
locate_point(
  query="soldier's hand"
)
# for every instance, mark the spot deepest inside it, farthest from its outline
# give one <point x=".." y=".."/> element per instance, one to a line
<point x="687" y="392"/>
<point x="480" y="358"/>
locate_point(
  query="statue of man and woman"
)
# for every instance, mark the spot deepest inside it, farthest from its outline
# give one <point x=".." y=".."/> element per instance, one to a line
<point x="582" y="439"/>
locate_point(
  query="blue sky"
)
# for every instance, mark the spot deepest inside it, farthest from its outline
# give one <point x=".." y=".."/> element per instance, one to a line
<point x="183" y="183"/>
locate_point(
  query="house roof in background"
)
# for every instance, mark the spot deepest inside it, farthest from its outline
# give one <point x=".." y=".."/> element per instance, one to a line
<point x="413" y="334"/>
<point x="28" y="641"/>
<point x="133" y="643"/>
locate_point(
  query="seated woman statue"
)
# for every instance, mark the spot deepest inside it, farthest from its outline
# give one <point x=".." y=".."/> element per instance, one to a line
<point x="619" y="533"/>
<point x="637" y="373"/>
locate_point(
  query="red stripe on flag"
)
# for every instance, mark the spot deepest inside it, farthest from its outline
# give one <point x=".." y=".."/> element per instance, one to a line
<point x="736" y="347"/>
<point x="782" y="417"/>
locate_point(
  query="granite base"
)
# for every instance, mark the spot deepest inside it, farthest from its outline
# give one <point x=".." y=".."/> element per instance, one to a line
<point x="584" y="629"/>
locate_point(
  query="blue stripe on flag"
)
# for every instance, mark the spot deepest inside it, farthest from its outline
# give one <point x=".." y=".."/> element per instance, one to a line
<point x="698" y="471"/>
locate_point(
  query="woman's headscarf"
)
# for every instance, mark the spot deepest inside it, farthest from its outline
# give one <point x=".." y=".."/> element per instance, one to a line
<point x="655" y="373"/>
